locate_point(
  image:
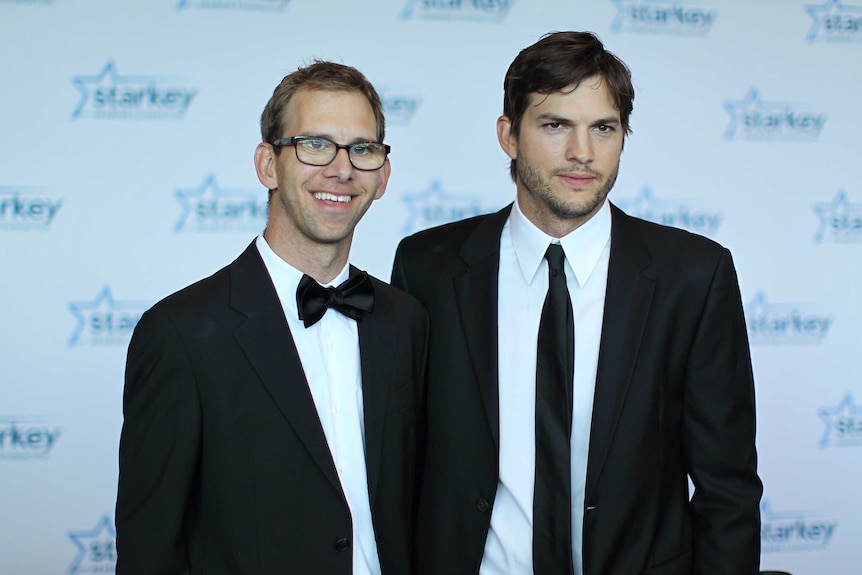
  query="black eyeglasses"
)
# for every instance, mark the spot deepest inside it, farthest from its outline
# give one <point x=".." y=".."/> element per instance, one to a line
<point x="316" y="151"/>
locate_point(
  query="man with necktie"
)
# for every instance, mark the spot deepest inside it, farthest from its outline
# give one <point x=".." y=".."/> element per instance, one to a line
<point x="272" y="411"/>
<point x="584" y="365"/>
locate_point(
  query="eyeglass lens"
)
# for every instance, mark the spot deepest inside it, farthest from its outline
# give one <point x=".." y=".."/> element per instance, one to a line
<point x="320" y="152"/>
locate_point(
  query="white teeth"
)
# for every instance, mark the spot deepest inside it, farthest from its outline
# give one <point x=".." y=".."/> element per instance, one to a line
<point x="331" y="197"/>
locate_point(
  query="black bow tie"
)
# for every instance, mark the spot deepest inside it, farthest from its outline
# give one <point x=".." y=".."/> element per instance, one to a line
<point x="354" y="296"/>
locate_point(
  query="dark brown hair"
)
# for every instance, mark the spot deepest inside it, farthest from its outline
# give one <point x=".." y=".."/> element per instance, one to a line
<point x="560" y="60"/>
<point x="319" y="75"/>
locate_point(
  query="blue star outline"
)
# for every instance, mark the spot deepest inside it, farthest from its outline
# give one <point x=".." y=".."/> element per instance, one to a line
<point x="828" y="415"/>
<point x="80" y="539"/>
<point x="103" y="300"/>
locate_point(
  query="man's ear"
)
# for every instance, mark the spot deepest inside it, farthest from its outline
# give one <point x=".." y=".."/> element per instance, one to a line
<point x="508" y="140"/>
<point x="385" y="170"/>
<point x="264" y="165"/>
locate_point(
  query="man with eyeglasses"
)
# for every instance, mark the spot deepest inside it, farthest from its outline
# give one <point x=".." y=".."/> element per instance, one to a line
<point x="272" y="410"/>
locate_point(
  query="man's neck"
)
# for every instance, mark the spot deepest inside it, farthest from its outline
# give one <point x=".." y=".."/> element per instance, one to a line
<point x="323" y="262"/>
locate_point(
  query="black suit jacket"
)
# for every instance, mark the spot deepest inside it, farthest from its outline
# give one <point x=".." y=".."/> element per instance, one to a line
<point x="224" y="466"/>
<point x="673" y="397"/>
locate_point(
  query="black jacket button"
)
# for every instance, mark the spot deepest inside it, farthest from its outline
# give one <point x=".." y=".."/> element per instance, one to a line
<point x="483" y="505"/>
<point x="342" y="544"/>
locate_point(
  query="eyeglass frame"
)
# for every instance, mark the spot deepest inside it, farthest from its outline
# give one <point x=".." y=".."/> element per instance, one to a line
<point x="293" y="140"/>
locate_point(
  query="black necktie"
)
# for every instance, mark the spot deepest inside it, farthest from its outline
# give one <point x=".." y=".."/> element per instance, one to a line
<point x="552" y="496"/>
<point x="352" y="298"/>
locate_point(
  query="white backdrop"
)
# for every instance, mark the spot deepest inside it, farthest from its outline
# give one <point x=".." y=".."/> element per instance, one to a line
<point x="126" y="137"/>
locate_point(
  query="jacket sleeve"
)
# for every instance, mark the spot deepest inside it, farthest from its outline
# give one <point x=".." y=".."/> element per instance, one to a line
<point x="719" y="434"/>
<point x="159" y="451"/>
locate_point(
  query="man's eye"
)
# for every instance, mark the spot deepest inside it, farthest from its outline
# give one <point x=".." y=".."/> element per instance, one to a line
<point x="316" y="144"/>
<point x="553" y="125"/>
<point x="360" y="149"/>
<point x="604" y="129"/>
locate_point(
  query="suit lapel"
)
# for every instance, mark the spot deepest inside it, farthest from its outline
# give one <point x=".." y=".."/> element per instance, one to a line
<point x="268" y="344"/>
<point x="627" y="303"/>
<point x="476" y="297"/>
<point x="377" y="343"/>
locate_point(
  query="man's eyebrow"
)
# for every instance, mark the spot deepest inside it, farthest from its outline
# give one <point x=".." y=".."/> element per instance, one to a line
<point x="356" y="140"/>
<point x="612" y="121"/>
<point x="554" y="118"/>
<point x="551" y="117"/>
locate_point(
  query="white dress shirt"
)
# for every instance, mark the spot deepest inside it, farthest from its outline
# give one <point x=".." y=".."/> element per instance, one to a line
<point x="329" y="352"/>
<point x="523" y="284"/>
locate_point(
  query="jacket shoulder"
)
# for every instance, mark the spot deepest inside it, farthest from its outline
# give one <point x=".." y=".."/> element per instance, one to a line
<point x="443" y="237"/>
<point x="664" y="242"/>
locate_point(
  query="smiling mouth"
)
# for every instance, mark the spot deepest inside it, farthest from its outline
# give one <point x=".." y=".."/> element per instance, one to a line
<point x="332" y="197"/>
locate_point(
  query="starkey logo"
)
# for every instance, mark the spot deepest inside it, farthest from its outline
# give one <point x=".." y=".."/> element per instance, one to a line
<point x="96" y="548"/>
<point x="23" y="208"/>
<point x="794" y="530"/>
<point x="476" y="10"/>
<point x="260" y="5"/>
<point x="784" y="324"/>
<point x="683" y="214"/>
<point x="689" y="18"/>
<point x="840" y="221"/>
<point x="108" y="95"/>
<point x="105" y="320"/>
<point x="211" y="208"/>
<point x="399" y="106"/>
<point x="433" y="206"/>
<point x="843" y="424"/>
<point x="835" y="21"/>
<point x="755" y="119"/>
<point x="26" y="437"/>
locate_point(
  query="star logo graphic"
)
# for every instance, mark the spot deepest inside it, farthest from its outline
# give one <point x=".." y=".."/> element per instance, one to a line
<point x="271" y="5"/>
<point x="104" y="319"/>
<point x="661" y="17"/>
<point x="107" y="79"/>
<point x="26" y="208"/>
<point x="109" y="95"/>
<point x="96" y="549"/>
<point x="843" y="424"/>
<point x="738" y="108"/>
<point x="794" y="530"/>
<point x="833" y="21"/>
<point x="213" y="208"/>
<point x="674" y="213"/>
<point x="433" y="207"/>
<point x="777" y="324"/>
<point x="480" y="11"/>
<point x="753" y="118"/>
<point x="840" y="220"/>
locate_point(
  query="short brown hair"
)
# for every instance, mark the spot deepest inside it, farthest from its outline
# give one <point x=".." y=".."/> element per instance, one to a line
<point x="319" y="75"/>
<point x="559" y="60"/>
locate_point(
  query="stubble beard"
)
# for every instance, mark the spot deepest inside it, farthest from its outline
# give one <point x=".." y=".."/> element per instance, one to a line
<point x="540" y="189"/>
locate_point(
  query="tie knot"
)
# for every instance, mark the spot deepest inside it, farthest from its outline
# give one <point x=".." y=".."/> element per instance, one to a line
<point x="556" y="258"/>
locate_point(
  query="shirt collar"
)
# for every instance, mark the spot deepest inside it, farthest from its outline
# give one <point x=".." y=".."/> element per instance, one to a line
<point x="286" y="278"/>
<point x="582" y="247"/>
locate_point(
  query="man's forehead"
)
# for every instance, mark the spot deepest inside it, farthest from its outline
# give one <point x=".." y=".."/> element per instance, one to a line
<point x="592" y="93"/>
<point x="325" y="110"/>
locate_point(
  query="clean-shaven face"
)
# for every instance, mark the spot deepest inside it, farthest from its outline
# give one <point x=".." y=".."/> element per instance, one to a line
<point x="323" y="204"/>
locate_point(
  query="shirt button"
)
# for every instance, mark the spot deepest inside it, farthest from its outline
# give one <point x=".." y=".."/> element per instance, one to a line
<point x="330" y="346"/>
<point x="483" y="505"/>
<point x="335" y="409"/>
<point x="342" y="544"/>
